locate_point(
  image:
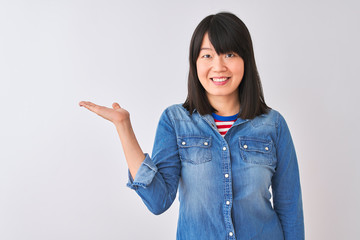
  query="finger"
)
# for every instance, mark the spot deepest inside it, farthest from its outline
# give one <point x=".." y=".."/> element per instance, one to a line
<point x="85" y="103"/>
<point x="89" y="105"/>
<point x="115" y="105"/>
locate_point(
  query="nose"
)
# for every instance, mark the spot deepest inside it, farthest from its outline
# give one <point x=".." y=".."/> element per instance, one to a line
<point x="218" y="64"/>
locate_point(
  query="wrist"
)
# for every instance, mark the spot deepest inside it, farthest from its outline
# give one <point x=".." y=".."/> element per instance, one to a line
<point x="122" y="123"/>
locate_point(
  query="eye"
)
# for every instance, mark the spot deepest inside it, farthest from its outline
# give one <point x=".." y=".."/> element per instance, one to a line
<point x="206" y="56"/>
<point x="229" y="55"/>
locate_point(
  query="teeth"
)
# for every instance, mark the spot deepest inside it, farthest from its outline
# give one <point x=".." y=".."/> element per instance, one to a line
<point x="219" y="79"/>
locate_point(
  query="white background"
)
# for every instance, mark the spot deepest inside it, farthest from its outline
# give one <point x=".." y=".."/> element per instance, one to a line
<point x="62" y="170"/>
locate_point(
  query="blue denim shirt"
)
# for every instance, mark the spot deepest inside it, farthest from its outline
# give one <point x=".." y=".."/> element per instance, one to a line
<point x="224" y="182"/>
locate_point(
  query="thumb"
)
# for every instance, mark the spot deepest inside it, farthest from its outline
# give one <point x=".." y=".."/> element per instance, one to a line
<point x="115" y="106"/>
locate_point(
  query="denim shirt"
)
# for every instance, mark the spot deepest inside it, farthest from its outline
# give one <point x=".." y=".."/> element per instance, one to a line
<point x="224" y="182"/>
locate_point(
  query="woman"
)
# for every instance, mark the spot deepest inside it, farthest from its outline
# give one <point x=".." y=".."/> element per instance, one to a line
<point x="223" y="148"/>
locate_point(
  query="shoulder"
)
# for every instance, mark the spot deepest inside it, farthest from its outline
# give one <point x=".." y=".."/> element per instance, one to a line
<point x="177" y="112"/>
<point x="281" y="126"/>
<point x="274" y="123"/>
<point x="279" y="119"/>
<point x="271" y="118"/>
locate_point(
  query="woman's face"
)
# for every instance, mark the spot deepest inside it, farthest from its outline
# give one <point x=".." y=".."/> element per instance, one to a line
<point x="220" y="75"/>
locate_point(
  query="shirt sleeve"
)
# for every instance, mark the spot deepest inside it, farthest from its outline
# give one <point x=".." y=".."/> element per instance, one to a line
<point x="286" y="188"/>
<point x="157" y="179"/>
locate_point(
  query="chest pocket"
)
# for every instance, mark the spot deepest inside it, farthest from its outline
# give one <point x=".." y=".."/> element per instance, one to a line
<point x="257" y="150"/>
<point x="194" y="149"/>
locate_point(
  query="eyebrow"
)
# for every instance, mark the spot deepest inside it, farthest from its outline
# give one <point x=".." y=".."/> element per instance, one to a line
<point x="205" y="49"/>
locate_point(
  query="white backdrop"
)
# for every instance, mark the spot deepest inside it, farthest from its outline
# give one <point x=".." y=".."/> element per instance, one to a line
<point x="62" y="170"/>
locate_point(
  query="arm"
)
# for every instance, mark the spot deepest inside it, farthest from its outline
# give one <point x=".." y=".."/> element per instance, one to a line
<point x="286" y="185"/>
<point x="121" y="119"/>
<point x="157" y="179"/>
<point x="133" y="154"/>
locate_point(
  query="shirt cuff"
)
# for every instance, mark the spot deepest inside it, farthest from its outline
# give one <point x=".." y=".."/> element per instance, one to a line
<point x="144" y="175"/>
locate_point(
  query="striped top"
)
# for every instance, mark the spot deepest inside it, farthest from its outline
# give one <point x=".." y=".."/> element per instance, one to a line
<point x="223" y="124"/>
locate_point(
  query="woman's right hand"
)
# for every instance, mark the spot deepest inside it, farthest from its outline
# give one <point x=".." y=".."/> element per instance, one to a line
<point x="116" y="114"/>
<point x="121" y="119"/>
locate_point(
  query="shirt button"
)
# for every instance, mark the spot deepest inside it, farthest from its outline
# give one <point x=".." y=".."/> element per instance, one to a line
<point x="245" y="146"/>
<point x="226" y="175"/>
<point x="266" y="148"/>
<point x="227" y="202"/>
<point x="206" y="143"/>
<point x="231" y="234"/>
<point x="183" y="143"/>
<point x="224" y="148"/>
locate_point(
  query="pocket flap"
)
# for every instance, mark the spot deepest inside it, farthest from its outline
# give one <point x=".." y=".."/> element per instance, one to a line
<point x="194" y="141"/>
<point x="257" y="150"/>
<point x="256" y="145"/>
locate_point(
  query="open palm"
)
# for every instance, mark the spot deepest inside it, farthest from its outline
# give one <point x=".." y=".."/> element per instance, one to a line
<point x="115" y="114"/>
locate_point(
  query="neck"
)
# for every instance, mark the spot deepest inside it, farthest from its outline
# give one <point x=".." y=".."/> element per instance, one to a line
<point x="225" y="105"/>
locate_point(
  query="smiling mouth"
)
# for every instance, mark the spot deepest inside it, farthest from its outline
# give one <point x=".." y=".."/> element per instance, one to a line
<point x="221" y="79"/>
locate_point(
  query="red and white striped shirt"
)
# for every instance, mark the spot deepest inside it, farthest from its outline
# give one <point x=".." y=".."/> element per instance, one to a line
<point x="223" y="124"/>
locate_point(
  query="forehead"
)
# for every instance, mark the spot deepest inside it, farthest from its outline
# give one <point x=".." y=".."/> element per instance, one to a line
<point x="206" y="44"/>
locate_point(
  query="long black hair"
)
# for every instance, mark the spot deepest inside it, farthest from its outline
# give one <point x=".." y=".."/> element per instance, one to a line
<point x="227" y="33"/>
